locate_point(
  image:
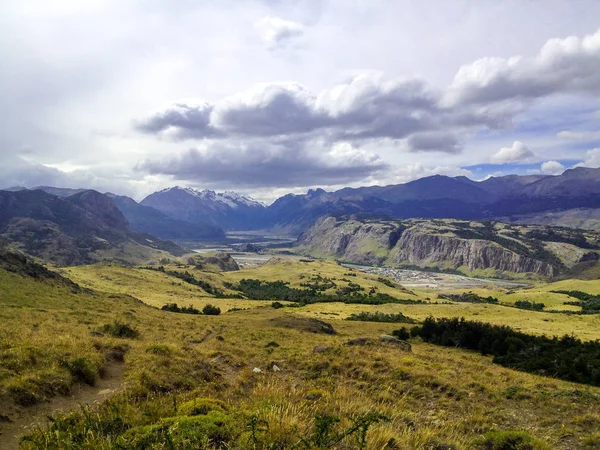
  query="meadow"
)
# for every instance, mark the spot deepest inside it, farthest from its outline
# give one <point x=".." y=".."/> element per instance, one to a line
<point x="260" y="377"/>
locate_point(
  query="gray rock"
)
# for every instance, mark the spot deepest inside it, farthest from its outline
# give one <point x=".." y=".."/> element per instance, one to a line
<point x="321" y="349"/>
<point x="403" y="345"/>
<point x="361" y="341"/>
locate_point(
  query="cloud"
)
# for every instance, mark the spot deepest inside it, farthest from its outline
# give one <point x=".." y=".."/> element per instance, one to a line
<point x="567" y="65"/>
<point x="591" y="159"/>
<point x="552" y="168"/>
<point x="579" y="136"/>
<point x="283" y="164"/>
<point x="181" y="120"/>
<point x="277" y="32"/>
<point x="434" y="141"/>
<point x="368" y="106"/>
<point x="517" y="152"/>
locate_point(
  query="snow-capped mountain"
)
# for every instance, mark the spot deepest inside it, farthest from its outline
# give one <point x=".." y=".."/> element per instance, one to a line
<point x="228" y="210"/>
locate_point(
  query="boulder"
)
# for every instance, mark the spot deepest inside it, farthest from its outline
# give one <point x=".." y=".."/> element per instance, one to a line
<point x="403" y="345"/>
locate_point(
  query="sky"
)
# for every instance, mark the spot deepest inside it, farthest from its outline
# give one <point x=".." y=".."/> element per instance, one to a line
<point x="268" y="97"/>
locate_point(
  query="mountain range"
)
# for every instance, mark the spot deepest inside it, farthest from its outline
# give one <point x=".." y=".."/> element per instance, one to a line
<point x="511" y="198"/>
<point x="227" y="210"/>
<point x="82" y="228"/>
<point x="570" y="199"/>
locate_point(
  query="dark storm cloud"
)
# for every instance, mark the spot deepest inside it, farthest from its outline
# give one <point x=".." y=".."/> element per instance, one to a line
<point x="434" y="141"/>
<point x="287" y="164"/>
<point x="185" y="120"/>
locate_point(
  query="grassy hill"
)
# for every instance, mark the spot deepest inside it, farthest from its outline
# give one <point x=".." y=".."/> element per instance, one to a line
<point x="189" y="381"/>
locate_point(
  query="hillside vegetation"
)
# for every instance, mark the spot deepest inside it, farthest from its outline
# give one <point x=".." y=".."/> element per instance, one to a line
<point x="265" y="376"/>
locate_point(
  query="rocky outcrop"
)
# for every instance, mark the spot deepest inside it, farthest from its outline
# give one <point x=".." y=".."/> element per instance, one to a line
<point x="424" y="249"/>
<point x="467" y="246"/>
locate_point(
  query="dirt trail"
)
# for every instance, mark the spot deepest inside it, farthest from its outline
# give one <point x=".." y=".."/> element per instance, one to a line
<point x="26" y="419"/>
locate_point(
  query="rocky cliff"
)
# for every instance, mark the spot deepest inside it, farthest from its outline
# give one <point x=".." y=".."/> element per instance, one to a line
<point x="469" y="247"/>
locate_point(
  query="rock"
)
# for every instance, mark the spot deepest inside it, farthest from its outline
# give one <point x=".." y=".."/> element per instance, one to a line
<point x="361" y="341"/>
<point x="303" y="324"/>
<point x="417" y="242"/>
<point x="321" y="349"/>
<point x="256" y="370"/>
<point x="403" y="345"/>
<point x="275" y="368"/>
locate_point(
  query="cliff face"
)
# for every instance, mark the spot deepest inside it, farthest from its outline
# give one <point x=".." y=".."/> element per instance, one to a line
<point x="443" y="244"/>
<point x="422" y="249"/>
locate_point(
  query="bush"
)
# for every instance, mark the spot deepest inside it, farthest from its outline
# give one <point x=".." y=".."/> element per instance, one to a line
<point x="211" y="310"/>
<point x="214" y="429"/>
<point x="532" y="306"/>
<point x="277" y="305"/>
<point x="402" y="333"/>
<point x="173" y="307"/>
<point x="120" y="330"/>
<point x="82" y="369"/>
<point x="279" y="290"/>
<point x="566" y="358"/>
<point x="510" y="440"/>
<point x="381" y="317"/>
<point x="469" y="297"/>
<point x="201" y="407"/>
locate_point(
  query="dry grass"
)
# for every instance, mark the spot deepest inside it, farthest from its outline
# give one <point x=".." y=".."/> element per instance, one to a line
<point x="432" y="396"/>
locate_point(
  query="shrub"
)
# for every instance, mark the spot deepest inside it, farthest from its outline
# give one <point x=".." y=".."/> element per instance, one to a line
<point x="402" y="333"/>
<point x="381" y="317"/>
<point x="526" y="304"/>
<point x="211" y="310"/>
<point x="159" y="349"/>
<point x="120" y="330"/>
<point x="214" y="429"/>
<point x="173" y="307"/>
<point x="566" y="358"/>
<point x="277" y="305"/>
<point x="510" y="440"/>
<point x="201" y="406"/>
<point x="82" y="369"/>
<point x="469" y="297"/>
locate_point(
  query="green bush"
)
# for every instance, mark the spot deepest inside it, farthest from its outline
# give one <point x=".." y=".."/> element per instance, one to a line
<point x="277" y="305"/>
<point x="380" y="317"/>
<point x="567" y="357"/>
<point x="402" y="333"/>
<point x="211" y="310"/>
<point x="120" y="330"/>
<point x="510" y="440"/>
<point x="214" y="429"/>
<point x="173" y="307"/>
<point x="159" y="349"/>
<point x="82" y="369"/>
<point x="201" y="406"/>
<point x="526" y="304"/>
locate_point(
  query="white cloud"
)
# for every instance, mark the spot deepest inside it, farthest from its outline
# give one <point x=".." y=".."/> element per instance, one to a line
<point x="579" y="136"/>
<point x="568" y="65"/>
<point x="517" y="152"/>
<point x="552" y="168"/>
<point x="277" y="32"/>
<point x="591" y="159"/>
